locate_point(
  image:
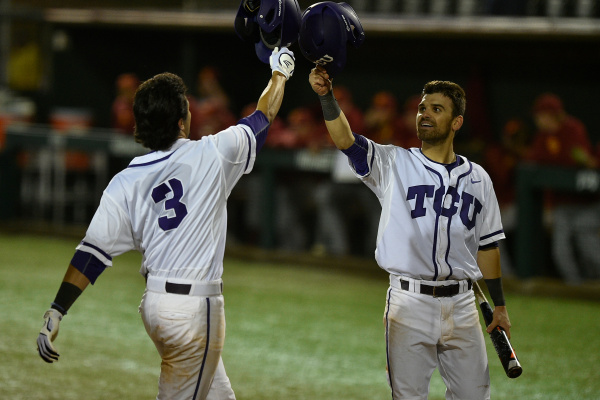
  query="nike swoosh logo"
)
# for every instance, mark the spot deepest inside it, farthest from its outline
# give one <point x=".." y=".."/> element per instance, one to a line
<point x="472" y="181"/>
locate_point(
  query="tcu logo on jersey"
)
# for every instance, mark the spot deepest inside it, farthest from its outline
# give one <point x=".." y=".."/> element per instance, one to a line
<point x="324" y="60"/>
<point x="420" y="192"/>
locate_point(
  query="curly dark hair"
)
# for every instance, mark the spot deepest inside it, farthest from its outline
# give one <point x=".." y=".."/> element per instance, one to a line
<point x="159" y="104"/>
<point x="452" y="91"/>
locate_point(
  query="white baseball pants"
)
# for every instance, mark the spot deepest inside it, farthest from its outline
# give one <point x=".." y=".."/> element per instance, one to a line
<point x="424" y="332"/>
<point x="189" y="334"/>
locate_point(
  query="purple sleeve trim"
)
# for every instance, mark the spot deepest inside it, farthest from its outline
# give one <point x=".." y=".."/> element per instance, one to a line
<point x="489" y="246"/>
<point x="357" y="153"/>
<point x="88" y="264"/>
<point x="98" y="249"/>
<point x="258" y="122"/>
<point x="491" y="234"/>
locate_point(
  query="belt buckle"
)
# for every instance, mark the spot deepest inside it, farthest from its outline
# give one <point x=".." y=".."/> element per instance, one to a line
<point x="434" y="290"/>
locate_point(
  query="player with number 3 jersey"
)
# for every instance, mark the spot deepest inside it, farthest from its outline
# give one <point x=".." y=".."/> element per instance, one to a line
<point x="438" y="233"/>
<point x="170" y="205"/>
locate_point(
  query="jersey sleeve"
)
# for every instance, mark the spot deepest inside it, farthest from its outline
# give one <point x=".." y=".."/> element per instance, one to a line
<point x="109" y="233"/>
<point x="236" y="147"/>
<point x="491" y="229"/>
<point x="377" y="159"/>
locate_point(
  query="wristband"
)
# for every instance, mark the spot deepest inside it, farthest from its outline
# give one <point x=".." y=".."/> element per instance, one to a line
<point x="330" y="106"/>
<point x="66" y="296"/>
<point x="496" y="292"/>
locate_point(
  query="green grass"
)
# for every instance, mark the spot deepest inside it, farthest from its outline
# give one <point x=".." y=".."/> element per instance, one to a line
<point x="293" y="332"/>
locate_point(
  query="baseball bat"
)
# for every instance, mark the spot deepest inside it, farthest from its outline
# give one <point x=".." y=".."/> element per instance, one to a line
<point x="501" y="343"/>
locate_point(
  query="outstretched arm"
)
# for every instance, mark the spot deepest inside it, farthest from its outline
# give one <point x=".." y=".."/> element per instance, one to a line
<point x="335" y="120"/>
<point x="282" y="64"/>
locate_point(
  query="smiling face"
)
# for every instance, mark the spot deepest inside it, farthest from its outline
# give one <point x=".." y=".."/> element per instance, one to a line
<point x="435" y="123"/>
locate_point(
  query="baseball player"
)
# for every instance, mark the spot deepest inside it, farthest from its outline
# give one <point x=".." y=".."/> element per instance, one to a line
<point x="438" y="233"/>
<point x="170" y="205"/>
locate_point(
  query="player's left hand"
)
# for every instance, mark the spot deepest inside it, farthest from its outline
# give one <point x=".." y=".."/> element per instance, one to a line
<point x="319" y="80"/>
<point x="48" y="334"/>
<point x="501" y="320"/>
<point x="283" y="61"/>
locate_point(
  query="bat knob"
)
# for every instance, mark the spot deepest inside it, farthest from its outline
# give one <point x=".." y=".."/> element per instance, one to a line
<point x="514" y="369"/>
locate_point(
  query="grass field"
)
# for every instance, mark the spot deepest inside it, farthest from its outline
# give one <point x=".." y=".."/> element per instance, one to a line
<point x="293" y="332"/>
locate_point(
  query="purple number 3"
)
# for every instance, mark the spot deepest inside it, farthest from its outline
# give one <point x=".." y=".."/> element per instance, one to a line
<point x="159" y="194"/>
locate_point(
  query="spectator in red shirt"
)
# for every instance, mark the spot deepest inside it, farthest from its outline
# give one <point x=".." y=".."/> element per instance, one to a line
<point x="210" y="108"/>
<point x="561" y="139"/>
<point x="122" y="108"/>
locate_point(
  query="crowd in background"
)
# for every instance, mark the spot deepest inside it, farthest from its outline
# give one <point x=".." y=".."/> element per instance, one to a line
<point x="336" y="214"/>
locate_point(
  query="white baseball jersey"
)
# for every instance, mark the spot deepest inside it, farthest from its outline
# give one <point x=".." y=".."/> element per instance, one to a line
<point x="432" y="221"/>
<point x="171" y="206"/>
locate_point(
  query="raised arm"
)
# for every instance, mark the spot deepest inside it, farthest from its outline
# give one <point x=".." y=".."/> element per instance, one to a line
<point x="282" y="65"/>
<point x="335" y="120"/>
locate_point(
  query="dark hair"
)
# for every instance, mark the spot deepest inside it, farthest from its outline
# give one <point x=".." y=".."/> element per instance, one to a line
<point x="159" y="104"/>
<point x="452" y="91"/>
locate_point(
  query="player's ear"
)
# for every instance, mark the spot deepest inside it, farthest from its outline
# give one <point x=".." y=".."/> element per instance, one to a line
<point x="181" y="125"/>
<point x="457" y="123"/>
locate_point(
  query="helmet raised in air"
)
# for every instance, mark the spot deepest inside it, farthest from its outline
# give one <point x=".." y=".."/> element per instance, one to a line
<point x="269" y="24"/>
<point x="325" y="30"/>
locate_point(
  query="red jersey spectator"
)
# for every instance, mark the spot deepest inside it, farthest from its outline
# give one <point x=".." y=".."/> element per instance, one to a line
<point x="561" y="139"/>
<point x="382" y="120"/>
<point x="122" y="108"/>
<point x="502" y="158"/>
<point x="210" y="109"/>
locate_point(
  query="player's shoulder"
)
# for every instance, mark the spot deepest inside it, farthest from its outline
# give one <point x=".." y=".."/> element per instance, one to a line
<point x="477" y="168"/>
<point x="476" y="172"/>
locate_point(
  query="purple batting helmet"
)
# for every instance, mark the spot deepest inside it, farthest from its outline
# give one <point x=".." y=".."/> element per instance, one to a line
<point x="325" y="29"/>
<point x="269" y="24"/>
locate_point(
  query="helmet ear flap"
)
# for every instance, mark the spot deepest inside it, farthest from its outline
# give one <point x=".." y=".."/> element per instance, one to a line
<point x="271" y="39"/>
<point x="246" y="29"/>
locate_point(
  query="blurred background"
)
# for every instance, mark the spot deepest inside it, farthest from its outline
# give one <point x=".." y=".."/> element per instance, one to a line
<point x="530" y="69"/>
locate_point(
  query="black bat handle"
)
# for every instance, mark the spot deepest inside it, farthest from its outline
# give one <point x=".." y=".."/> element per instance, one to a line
<point x="488" y="313"/>
<point x="502" y="345"/>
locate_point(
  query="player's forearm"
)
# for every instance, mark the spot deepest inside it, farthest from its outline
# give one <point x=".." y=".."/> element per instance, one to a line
<point x="336" y="122"/>
<point x="340" y="132"/>
<point x="75" y="277"/>
<point x="271" y="98"/>
<point x="488" y="261"/>
<point x="74" y="283"/>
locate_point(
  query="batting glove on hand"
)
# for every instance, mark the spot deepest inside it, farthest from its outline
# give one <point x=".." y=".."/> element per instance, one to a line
<point x="47" y="335"/>
<point x="282" y="60"/>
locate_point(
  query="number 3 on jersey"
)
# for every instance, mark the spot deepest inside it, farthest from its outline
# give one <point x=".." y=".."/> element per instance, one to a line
<point x="160" y="193"/>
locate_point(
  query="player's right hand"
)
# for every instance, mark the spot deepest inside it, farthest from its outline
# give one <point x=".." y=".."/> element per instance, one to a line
<point x="48" y="334"/>
<point x="319" y="80"/>
<point x="283" y="61"/>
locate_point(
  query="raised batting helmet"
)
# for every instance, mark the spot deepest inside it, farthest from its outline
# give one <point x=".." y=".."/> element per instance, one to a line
<point x="269" y="24"/>
<point x="325" y="29"/>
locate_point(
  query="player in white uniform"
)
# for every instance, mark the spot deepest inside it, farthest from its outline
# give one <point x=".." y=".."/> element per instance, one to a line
<point x="170" y="205"/>
<point x="438" y="233"/>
